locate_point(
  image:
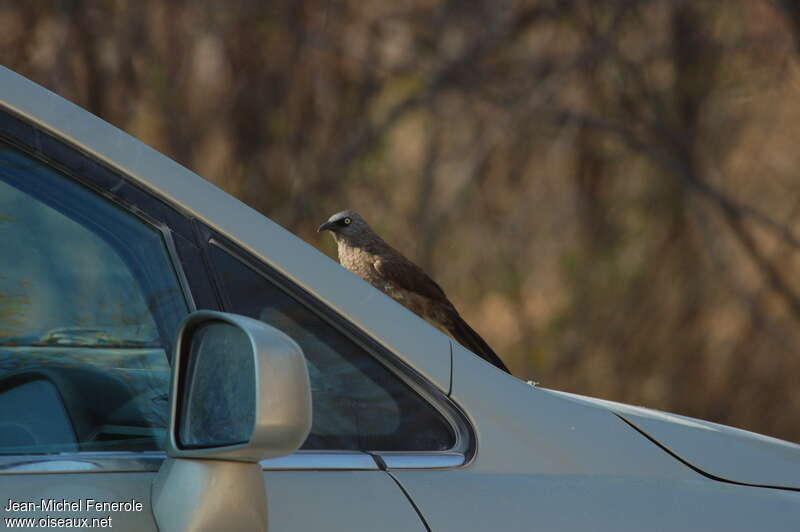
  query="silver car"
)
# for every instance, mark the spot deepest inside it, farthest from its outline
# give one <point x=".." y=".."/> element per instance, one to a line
<point x="298" y="398"/>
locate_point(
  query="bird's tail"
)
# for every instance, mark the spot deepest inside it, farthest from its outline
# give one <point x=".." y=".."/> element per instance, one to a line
<point x="466" y="336"/>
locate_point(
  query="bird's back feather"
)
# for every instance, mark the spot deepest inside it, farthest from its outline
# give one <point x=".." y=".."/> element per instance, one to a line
<point x="397" y="269"/>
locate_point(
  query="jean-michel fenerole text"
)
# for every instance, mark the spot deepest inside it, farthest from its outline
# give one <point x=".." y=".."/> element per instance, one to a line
<point x="75" y="505"/>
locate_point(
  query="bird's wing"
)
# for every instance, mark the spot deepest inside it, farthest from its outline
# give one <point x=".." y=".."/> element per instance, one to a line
<point x="396" y="269"/>
<point x="400" y="271"/>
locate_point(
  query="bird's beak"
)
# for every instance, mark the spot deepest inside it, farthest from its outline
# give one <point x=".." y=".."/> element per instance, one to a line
<point x="324" y="227"/>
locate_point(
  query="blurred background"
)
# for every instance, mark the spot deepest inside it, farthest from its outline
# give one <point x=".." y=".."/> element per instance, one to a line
<point x="608" y="191"/>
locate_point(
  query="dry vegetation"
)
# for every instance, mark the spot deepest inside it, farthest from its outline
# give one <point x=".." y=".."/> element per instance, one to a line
<point x="608" y="190"/>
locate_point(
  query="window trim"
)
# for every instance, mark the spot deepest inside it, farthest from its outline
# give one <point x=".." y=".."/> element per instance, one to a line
<point x="463" y="451"/>
<point x="151" y="461"/>
<point x="117" y="462"/>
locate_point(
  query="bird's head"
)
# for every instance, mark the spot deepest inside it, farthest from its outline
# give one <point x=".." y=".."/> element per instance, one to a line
<point x="348" y="225"/>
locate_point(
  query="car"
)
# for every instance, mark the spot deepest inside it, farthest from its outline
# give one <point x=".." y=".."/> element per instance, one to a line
<point x="170" y="359"/>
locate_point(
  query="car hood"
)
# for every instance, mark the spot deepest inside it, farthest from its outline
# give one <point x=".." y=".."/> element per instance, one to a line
<point x="718" y="451"/>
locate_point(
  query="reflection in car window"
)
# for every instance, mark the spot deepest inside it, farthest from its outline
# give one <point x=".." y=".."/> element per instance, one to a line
<point x="89" y="305"/>
<point x="358" y="404"/>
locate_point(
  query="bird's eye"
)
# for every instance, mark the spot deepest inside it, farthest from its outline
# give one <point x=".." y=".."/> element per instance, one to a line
<point x="347" y="221"/>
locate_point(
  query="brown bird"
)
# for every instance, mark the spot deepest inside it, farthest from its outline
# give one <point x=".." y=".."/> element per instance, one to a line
<point x="367" y="255"/>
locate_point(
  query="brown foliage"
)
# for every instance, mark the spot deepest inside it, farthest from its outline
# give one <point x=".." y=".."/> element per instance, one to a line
<point x="608" y="190"/>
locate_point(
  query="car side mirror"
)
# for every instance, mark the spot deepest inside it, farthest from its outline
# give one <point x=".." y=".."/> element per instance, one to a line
<point x="240" y="393"/>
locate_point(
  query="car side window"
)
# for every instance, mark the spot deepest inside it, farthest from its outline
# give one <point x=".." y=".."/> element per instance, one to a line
<point x="358" y="404"/>
<point x="89" y="307"/>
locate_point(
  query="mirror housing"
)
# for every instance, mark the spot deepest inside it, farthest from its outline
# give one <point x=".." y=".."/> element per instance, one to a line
<point x="240" y="393"/>
<point x="240" y="390"/>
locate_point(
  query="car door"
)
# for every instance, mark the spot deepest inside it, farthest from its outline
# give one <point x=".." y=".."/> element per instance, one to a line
<point x="97" y="273"/>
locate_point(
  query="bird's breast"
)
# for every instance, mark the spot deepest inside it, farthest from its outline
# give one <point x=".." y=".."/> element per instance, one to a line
<point x="359" y="262"/>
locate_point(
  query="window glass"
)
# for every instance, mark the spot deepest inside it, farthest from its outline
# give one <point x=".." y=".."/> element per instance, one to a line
<point x="89" y="306"/>
<point x="358" y="404"/>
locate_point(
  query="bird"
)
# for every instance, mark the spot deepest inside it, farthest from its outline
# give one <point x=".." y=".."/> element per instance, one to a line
<point x="363" y="252"/>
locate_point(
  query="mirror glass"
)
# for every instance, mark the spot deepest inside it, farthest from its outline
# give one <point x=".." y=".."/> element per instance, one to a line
<point x="219" y="395"/>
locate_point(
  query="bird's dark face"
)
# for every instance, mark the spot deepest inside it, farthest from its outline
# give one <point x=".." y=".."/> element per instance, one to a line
<point x="345" y="224"/>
